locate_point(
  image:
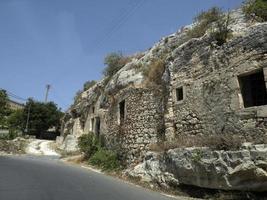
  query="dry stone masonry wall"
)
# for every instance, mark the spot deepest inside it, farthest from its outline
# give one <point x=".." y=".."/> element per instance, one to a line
<point x="142" y="123"/>
<point x="212" y="100"/>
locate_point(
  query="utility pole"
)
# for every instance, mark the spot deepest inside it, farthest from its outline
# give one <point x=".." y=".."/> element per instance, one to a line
<point x="48" y="86"/>
<point x="28" y="118"/>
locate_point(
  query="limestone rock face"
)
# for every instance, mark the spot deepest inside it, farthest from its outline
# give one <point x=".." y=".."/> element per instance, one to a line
<point x="244" y="169"/>
<point x="69" y="144"/>
<point x="152" y="170"/>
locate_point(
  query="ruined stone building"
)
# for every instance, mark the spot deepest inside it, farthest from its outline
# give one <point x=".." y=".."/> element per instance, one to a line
<point x="204" y="89"/>
<point x="15" y="105"/>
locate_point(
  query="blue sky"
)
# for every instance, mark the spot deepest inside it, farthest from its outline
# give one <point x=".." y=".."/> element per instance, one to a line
<point x="64" y="42"/>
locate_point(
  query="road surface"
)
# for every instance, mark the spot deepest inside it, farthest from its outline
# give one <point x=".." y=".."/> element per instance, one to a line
<point x="40" y="178"/>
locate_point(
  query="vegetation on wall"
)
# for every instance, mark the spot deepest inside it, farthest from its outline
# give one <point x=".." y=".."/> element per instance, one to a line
<point x="154" y="71"/>
<point x="114" y="62"/>
<point x="256" y="10"/>
<point x="213" y="20"/>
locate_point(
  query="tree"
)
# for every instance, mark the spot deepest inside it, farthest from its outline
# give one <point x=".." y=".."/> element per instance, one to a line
<point x="42" y="116"/>
<point x="4" y="108"/>
<point x="16" y="120"/>
<point x="114" y="62"/>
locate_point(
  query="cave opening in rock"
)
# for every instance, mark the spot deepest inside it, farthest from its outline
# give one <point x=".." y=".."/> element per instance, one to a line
<point x="253" y="89"/>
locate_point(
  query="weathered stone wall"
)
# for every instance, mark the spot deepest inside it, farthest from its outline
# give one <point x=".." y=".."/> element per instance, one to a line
<point x="95" y="112"/>
<point x="143" y="123"/>
<point x="212" y="102"/>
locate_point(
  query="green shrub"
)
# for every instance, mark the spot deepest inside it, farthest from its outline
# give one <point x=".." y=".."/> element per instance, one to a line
<point x="10" y="135"/>
<point x="13" y="133"/>
<point x="88" y="144"/>
<point x="204" y="21"/>
<point x="16" y="120"/>
<point x="105" y="159"/>
<point x="221" y="32"/>
<point x="215" y="21"/>
<point x="88" y="84"/>
<point x="256" y="9"/>
<point x="114" y="62"/>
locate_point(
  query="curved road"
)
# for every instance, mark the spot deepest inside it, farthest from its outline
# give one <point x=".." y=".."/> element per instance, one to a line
<point x="39" y="178"/>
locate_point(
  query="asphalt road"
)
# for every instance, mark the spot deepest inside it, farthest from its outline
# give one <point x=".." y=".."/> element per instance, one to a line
<point x="31" y="178"/>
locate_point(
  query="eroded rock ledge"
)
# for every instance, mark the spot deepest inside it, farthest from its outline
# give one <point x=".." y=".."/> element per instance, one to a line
<point x="245" y="169"/>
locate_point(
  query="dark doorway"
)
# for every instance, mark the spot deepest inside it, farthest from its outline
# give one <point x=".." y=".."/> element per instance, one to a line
<point x="97" y="126"/>
<point x="253" y="89"/>
<point x="121" y="111"/>
<point x="179" y="94"/>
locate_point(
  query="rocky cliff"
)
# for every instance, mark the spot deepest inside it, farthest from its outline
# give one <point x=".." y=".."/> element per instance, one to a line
<point x="184" y="86"/>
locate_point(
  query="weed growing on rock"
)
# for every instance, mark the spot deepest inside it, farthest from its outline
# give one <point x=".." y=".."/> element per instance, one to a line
<point x="255" y="10"/>
<point x="213" y="20"/>
<point x="154" y="71"/>
<point x="114" y="62"/>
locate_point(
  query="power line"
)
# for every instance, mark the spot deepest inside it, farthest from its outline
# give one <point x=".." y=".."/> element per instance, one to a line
<point x="16" y="97"/>
<point x="124" y="17"/>
<point x="10" y="94"/>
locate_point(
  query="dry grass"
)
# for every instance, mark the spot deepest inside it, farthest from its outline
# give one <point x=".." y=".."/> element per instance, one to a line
<point x="214" y="142"/>
<point x="154" y="72"/>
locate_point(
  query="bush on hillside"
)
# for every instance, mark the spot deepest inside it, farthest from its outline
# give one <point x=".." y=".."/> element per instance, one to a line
<point x="88" y="84"/>
<point x="114" y="62"/>
<point x="154" y="71"/>
<point x="88" y="144"/>
<point x="215" y="21"/>
<point x="204" y="21"/>
<point x="105" y="159"/>
<point x="221" y="32"/>
<point x="256" y="9"/>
